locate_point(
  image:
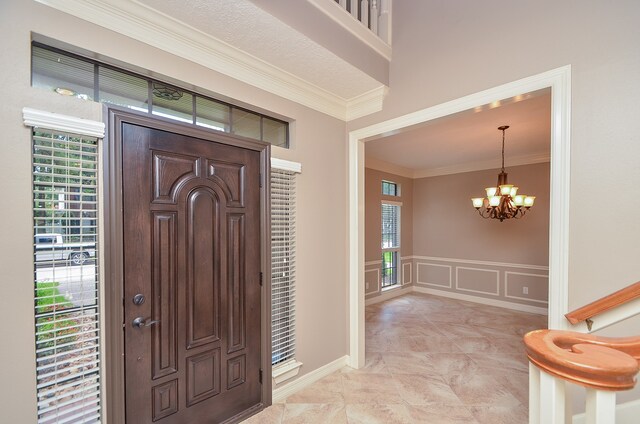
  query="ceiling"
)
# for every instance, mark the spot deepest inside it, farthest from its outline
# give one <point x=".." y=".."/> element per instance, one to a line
<point x="469" y="140"/>
<point x="249" y="28"/>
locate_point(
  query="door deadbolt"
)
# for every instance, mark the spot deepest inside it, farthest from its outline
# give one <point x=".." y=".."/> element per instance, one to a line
<point x="138" y="299"/>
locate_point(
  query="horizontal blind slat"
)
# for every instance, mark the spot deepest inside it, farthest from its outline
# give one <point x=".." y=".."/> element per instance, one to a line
<point x="65" y="205"/>
<point x="282" y="265"/>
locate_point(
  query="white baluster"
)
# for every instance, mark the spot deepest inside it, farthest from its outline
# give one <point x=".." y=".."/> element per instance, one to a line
<point x="374" y="16"/>
<point x="364" y="12"/>
<point x="343" y="3"/>
<point x="354" y="8"/>
<point x="534" y="394"/>
<point x="384" y="25"/>
<point x="601" y="407"/>
<point x="552" y="399"/>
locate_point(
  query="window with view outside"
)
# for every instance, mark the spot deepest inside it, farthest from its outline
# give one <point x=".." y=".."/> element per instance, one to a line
<point x="66" y="278"/>
<point x="390" y="244"/>
<point x="72" y="75"/>
<point x="390" y="189"/>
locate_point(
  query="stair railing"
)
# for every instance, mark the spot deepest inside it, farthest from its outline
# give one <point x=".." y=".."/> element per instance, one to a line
<point x="602" y="365"/>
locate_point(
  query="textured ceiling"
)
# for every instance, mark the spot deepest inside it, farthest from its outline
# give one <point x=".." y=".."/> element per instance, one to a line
<point x="252" y="30"/>
<point x="471" y="136"/>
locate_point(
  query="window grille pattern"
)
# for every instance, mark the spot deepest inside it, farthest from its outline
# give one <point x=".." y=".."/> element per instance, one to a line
<point x="65" y="211"/>
<point x="389" y="268"/>
<point x="390" y="189"/>
<point x="390" y="244"/>
<point x="282" y="265"/>
<point x="73" y="75"/>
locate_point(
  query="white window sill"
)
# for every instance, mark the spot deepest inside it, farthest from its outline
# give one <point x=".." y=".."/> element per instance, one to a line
<point x="395" y="286"/>
<point x="285" y="371"/>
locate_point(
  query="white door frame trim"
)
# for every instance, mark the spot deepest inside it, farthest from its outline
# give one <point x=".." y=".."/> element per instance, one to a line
<point x="559" y="80"/>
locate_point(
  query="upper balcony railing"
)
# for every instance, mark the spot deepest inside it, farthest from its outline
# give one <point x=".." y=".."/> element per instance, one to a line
<point x="374" y="14"/>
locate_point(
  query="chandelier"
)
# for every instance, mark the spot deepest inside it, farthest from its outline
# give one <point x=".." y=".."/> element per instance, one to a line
<point x="503" y="201"/>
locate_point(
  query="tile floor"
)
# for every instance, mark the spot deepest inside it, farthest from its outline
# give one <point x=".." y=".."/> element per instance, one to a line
<point x="428" y="360"/>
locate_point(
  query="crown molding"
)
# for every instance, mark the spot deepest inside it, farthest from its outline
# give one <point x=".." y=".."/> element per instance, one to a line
<point x="388" y="167"/>
<point x="366" y="103"/>
<point x="392" y="168"/>
<point x="480" y="166"/>
<point x="142" y="23"/>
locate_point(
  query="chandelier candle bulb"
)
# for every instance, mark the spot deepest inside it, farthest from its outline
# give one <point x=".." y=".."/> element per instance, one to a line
<point x="505" y="189"/>
<point x="502" y="201"/>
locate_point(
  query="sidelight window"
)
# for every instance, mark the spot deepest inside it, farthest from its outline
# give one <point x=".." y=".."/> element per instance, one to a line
<point x="390" y="244"/>
<point x="283" y="267"/>
<point x="66" y="277"/>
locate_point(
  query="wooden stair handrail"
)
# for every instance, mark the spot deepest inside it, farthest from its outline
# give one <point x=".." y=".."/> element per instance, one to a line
<point x="601" y="363"/>
<point x="604" y="304"/>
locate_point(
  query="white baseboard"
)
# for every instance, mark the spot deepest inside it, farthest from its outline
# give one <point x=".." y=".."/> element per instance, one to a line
<point x="389" y="294"/>
<point x="626" y="413"/>
<point x="306" y="380"/>
<point x="485" y="301"/>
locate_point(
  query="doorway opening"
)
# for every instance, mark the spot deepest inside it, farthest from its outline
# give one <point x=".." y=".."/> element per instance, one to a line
<point x="558" y="81"/>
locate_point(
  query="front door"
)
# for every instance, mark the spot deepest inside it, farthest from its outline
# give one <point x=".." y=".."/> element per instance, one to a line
<point x="192" y="262"/>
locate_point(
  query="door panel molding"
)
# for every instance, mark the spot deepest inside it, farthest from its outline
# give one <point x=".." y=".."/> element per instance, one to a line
<point x="165" y="391"/>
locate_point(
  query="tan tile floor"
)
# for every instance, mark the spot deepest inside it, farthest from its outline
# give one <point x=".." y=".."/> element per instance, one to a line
<point x="428" y="360"/>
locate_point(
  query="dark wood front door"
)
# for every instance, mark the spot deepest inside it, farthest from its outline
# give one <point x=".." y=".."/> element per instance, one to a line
<point x="192" y="289"/>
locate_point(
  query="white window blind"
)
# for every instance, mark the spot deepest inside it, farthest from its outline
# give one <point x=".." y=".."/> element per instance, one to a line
<point x="390" y="244"/>
<point x="390" y="226"/>
<point x="65" y="211"/>
<point x="282" y="265"/>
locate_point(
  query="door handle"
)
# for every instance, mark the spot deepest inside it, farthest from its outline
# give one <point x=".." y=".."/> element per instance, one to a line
<point x="140" y="322"/>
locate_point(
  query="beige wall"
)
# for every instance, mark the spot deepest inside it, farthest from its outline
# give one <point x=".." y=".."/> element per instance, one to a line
<point x="455" y="250"/>
<point x="318" y="143"/>
<point x="445" y="224"/>
<point x="445" y="50"/>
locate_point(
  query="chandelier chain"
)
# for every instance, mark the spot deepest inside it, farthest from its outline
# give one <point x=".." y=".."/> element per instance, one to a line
<point x="503" y="149"/>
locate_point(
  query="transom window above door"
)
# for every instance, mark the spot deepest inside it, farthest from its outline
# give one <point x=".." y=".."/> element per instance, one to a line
<point x="73" y="75"/>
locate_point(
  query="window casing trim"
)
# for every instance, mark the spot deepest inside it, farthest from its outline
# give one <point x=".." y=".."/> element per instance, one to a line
<point x="58" y="122"/>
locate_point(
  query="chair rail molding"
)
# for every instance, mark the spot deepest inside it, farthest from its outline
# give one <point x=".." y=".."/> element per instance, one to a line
<point x="143" y="23"/>
<point x="559" y="80"/>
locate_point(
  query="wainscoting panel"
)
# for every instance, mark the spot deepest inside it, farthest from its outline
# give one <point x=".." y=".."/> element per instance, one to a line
<point x="478" y="280"/>
<point x="433" y="274"/>
<point x="372" y="280"/>
<point x="536" y="286"/>
<point x="406" y="273"/>
<point x="506" y="283"/>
